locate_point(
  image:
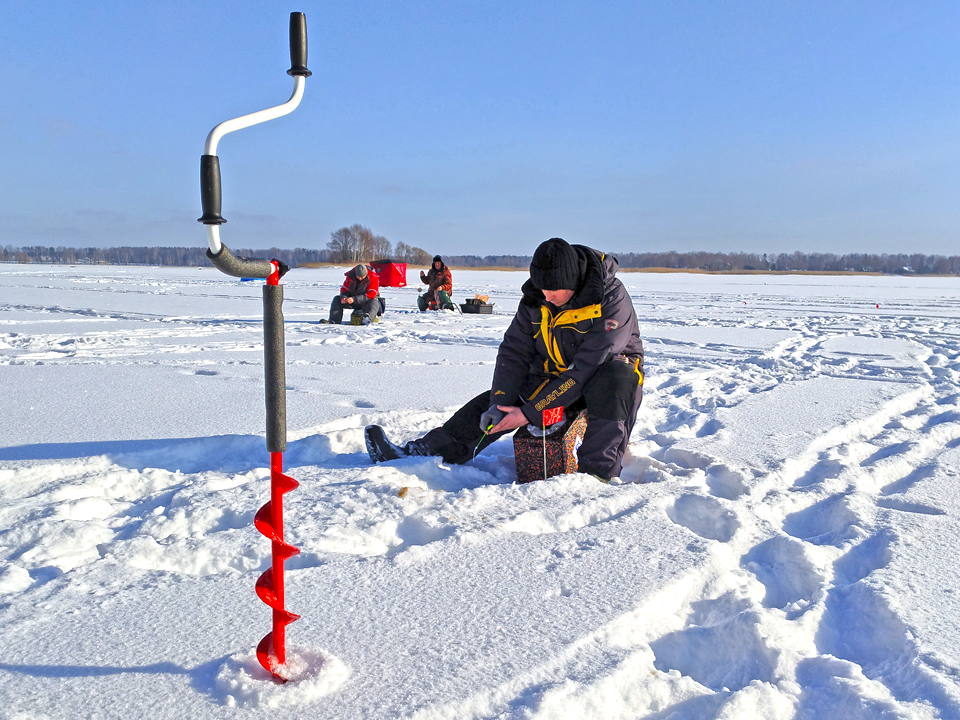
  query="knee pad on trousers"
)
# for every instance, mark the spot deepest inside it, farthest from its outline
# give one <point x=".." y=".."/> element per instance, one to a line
<point x="611" y="392"/>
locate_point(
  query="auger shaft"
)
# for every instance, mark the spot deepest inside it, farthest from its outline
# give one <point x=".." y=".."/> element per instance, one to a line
<point x="272" y="652"/>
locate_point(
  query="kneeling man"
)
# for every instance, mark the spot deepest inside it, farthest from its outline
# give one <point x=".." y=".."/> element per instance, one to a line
<point x="573" y="342"/>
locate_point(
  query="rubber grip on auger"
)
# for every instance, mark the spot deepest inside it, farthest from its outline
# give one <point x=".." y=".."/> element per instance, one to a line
<point x="273" y="368"/>
<point x="229" y="264"/>
<point x="211" y="195"/>
<point x="298" y="45"/>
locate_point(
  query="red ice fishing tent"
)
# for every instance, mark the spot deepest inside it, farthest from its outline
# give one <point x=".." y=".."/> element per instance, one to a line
<point x="390" y="272"/>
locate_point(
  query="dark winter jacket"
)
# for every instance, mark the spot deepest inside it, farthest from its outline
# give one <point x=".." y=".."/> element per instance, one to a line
<point x="360" y="290"/>
<point x="440" y="279"/>
<point x="563" y="347"/>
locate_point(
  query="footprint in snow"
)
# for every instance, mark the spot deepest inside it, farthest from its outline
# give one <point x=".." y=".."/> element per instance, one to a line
<point x="838" y="688"/>
<point x="704" y="516"/>
<point x="857" y="563"/>
<point x="725" y="483"/>
<point x="909" y="480"/>
<point x="725" y="656"/>
<point x="718" y="610"/>
<point x="825" y="469"/>
<point x="711" y="427"/>
<point x="686" y="458"/>
<point x="783" y="567"/>
<point x="828" y="522"/>
<point x="859" y="625"/>
<point x="950" y="416"/>
<point x="888" y="451"/>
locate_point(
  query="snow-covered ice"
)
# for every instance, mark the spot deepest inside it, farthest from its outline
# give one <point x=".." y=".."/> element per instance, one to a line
<point x="782" y="544"/>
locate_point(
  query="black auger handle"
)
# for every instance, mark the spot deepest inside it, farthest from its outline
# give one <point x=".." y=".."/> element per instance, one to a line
<point x="298" y="45"/>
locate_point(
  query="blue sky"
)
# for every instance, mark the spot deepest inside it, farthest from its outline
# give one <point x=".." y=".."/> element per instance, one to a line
<point x="486" y="127"/>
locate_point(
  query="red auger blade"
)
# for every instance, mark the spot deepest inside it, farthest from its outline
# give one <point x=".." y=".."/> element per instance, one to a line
<point x="267" y="650"/>
<point x="271" y="652"/>
<point x="284" y="550"/>
<point x="286" y="617"/>
<point x="284" y="483"/>
<point x="265" y="590"/>
<point x="267" y="655"/>
<point x="263" y="521"/>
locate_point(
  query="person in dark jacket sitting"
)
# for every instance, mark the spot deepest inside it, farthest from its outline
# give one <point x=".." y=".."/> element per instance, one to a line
<point x="359" y="290"/>
<point x="439" y="282"/>
<point x="574" y="342"/>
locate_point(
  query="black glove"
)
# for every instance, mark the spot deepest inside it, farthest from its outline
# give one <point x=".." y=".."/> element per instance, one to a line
<point x="282" y="267"/>
<point x="491" y="418"/>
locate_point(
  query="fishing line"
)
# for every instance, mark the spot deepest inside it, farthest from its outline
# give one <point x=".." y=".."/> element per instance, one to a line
<point x="544" y="446"/>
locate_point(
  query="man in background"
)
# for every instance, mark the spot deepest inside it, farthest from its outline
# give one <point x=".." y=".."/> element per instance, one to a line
<point x="359" y="292"/>
<point x="439" y="287"/>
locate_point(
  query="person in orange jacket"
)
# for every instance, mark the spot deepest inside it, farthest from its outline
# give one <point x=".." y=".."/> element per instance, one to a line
<point x="440" y="287"/>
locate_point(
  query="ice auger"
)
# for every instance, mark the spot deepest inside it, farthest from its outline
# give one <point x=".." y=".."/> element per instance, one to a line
<point x="271" y="652"/>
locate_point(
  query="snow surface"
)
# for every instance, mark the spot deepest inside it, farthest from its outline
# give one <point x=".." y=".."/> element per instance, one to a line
<point x="783" y="543"/>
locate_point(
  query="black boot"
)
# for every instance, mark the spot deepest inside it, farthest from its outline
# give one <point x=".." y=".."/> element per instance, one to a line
<point x="418" y="447"/>
<point x="379" y="447"/>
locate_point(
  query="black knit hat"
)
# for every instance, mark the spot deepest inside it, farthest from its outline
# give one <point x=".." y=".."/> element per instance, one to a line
<point x="555" y="266"/>
<point x="437" y="258"/>
<point x="360" y="271"/>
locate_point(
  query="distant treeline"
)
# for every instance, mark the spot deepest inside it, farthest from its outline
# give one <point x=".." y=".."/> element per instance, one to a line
<point x="718" y="262"/>
<point x="177" y="256"/>
<point x="745" y="262"/>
